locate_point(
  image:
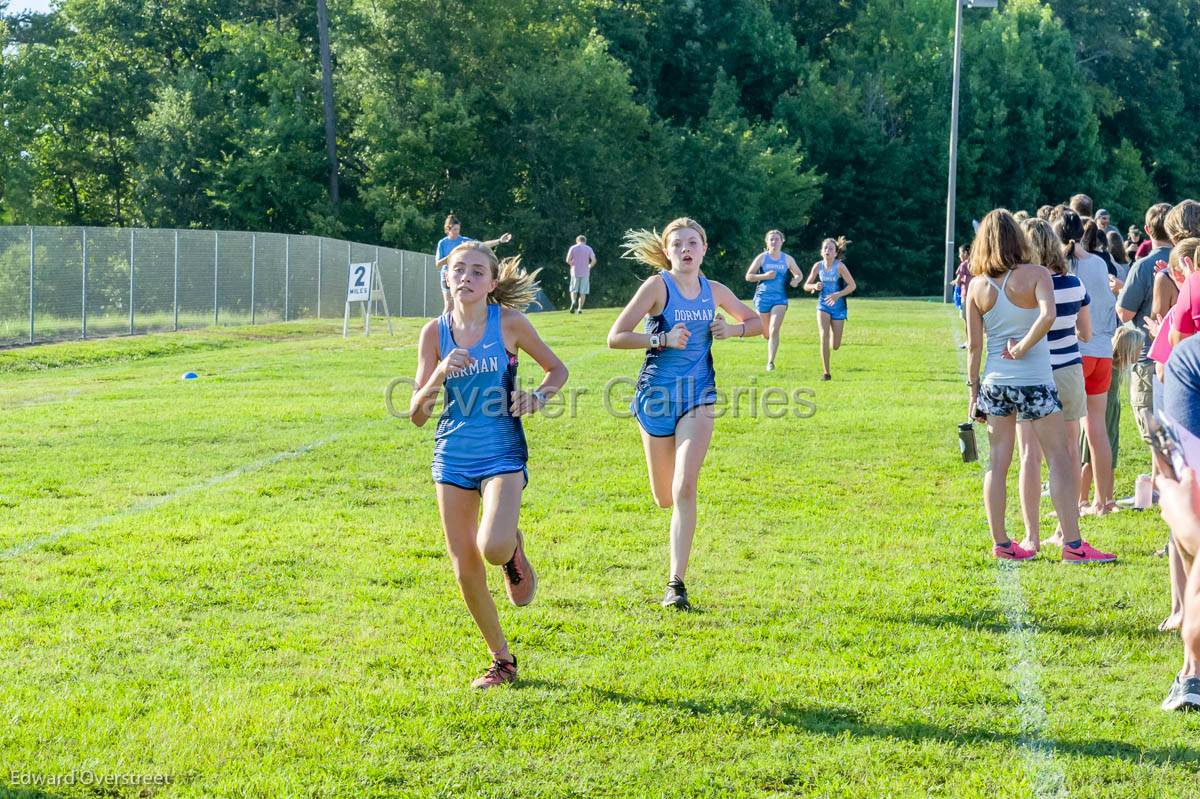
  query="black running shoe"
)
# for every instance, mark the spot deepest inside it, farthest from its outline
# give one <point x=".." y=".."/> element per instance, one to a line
<point x="676" y="596"/>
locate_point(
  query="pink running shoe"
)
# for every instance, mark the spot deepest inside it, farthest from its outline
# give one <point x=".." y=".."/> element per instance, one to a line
<point x="520" y="581"/>
<point x="1013" y="551"/>
<point x="500" y="673"/>
<point x="1086" y="553"/>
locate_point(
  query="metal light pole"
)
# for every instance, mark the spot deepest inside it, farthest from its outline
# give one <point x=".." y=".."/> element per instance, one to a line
<point x="951" y="266"/>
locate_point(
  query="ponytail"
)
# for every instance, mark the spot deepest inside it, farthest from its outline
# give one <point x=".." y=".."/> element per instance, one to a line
<point x="650" y="247"/>
<point x="515" y="288"/>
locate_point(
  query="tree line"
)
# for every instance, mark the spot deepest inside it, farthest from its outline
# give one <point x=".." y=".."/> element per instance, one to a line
<point x="551" y="118"/>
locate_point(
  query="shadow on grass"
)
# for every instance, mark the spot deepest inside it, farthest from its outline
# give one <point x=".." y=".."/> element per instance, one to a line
<point x="834" y="721"/>
<point x="992" y="621"/>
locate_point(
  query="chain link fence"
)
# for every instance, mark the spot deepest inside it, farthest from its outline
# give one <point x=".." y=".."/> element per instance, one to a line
<point x="61" y="283"/>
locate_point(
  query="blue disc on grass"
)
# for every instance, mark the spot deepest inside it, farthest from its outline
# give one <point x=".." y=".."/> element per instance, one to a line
<point x="190" y="375"/>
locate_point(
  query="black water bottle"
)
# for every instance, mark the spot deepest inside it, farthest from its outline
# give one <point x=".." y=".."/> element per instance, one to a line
<point x="966" y="442"/>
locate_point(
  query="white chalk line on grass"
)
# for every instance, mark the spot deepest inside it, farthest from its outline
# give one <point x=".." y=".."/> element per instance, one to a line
<point x="155" y="502"/>
<point x="1043" y="769"/>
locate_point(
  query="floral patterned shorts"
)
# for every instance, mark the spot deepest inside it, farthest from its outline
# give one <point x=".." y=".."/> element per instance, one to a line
<point x="1028" y="402"/>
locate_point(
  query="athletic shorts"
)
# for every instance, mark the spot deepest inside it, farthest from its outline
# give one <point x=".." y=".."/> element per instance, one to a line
<point x="659" y="415"/>
<point x="765" y="304"/>
<point x="1070" y="384"/>
<point x="1029" y="403"/>
<point x="1141" y="385"/>
<point x="472" y="479"/>
<point x="581" y="285"/>
<point x="1097" y="375"/>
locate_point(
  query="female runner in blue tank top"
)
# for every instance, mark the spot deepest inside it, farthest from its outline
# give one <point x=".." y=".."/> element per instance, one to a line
<point x="832" y="279"/>
<point x="676" y="387"/>
<point x="770" y="271"/>
<point x="479" y="455"/>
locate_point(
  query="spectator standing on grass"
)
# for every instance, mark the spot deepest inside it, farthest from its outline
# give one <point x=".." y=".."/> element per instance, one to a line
<point x="582" y="260"/>
<point x="1072" y="325"/>
<point x="1180" y="502"/>
<point x="1135" y="304"/>
<point x="1013" y="307"/>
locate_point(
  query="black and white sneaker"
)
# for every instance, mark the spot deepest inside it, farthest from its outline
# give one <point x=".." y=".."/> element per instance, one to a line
<point x="1184" y="694"/>
<point x="676" y="596"/>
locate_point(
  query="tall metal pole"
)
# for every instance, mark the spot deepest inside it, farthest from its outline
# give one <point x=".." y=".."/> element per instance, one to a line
<point x="32" y="295"/>
<point x="253" y="255"/>
<point x="287" y="272"/>
<point x="83" y="299"/>
<point x="216" y="276"/>
<point x="320" y="257"/>
<point x="327" y="83"/>
<point x="131" y="281"/>
<point x="175" y="293"/>
<point x="947" y="295"/>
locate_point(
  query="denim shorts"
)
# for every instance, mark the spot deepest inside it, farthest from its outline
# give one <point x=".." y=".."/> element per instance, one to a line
<point x="1027" y="402"/>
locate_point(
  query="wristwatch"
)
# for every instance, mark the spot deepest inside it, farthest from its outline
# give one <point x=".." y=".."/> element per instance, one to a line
<point x="657" y="341"/>
<point x="539" y="396"/>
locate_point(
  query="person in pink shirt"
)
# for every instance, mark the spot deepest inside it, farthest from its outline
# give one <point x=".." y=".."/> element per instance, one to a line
<point x="582" y="259"/>
<point x="1186" y="314"/>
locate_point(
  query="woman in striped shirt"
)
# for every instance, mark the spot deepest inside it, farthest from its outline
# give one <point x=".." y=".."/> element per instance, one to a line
<point x="1072" y="325"/>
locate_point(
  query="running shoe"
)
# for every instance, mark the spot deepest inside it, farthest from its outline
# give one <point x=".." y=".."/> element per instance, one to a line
<point x="501" y="672"/>
<point x="826" y="376"/>
<point x="676" y="596"/>
<point x="520" y="580"/>
<point x="1013" y="551"/>
<point x="1086" y="553"/>
<point x="1184" y="694"/>
<point x="770" y="366"/>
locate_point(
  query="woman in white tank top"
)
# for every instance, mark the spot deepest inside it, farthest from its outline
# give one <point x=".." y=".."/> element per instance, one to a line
<point x="1013" y="306"/>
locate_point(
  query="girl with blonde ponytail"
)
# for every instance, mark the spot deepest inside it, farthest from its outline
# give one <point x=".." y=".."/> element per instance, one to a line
<point x="479" y="458"/>
<point x="676" y="388"/>
<point x="832" y="279"/>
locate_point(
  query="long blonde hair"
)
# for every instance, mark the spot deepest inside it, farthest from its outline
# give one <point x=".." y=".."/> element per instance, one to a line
<point x="1184" y="248"/>
<point x="650" y="247"/>
<point x="1127" y="346"/>
<point x="515" y="288"/>
<point x="1044" y="245"/>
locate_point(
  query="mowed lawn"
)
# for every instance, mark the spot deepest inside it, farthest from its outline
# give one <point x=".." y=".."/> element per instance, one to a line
<point x="240" y="583"/>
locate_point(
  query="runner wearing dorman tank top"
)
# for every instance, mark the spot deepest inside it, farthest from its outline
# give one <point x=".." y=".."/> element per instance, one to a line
<point x="770" y="271"/>
<point x="830" y="277"/>
<point x="676" y="386"/>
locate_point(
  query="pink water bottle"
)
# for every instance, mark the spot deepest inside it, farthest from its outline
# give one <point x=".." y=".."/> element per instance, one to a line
<point x="1143" y="492"/>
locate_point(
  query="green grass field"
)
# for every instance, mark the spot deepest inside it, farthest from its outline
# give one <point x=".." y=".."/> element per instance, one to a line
<point x="239" y="583"/>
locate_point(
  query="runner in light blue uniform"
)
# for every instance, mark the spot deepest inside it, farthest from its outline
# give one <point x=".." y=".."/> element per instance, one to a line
<point x="770" y="270"/>
<point x="479" y="453"/>
<point x="477" y="437"/>
<point x="676" y="387"/>
<point x="672" y="382"/>
<point x="772" y="291"/>
<point x="831" y="281"/>
<point x="831" y="284"/>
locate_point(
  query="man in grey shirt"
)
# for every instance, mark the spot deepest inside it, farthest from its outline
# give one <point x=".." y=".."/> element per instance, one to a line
<point x="1134" y="304"/>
